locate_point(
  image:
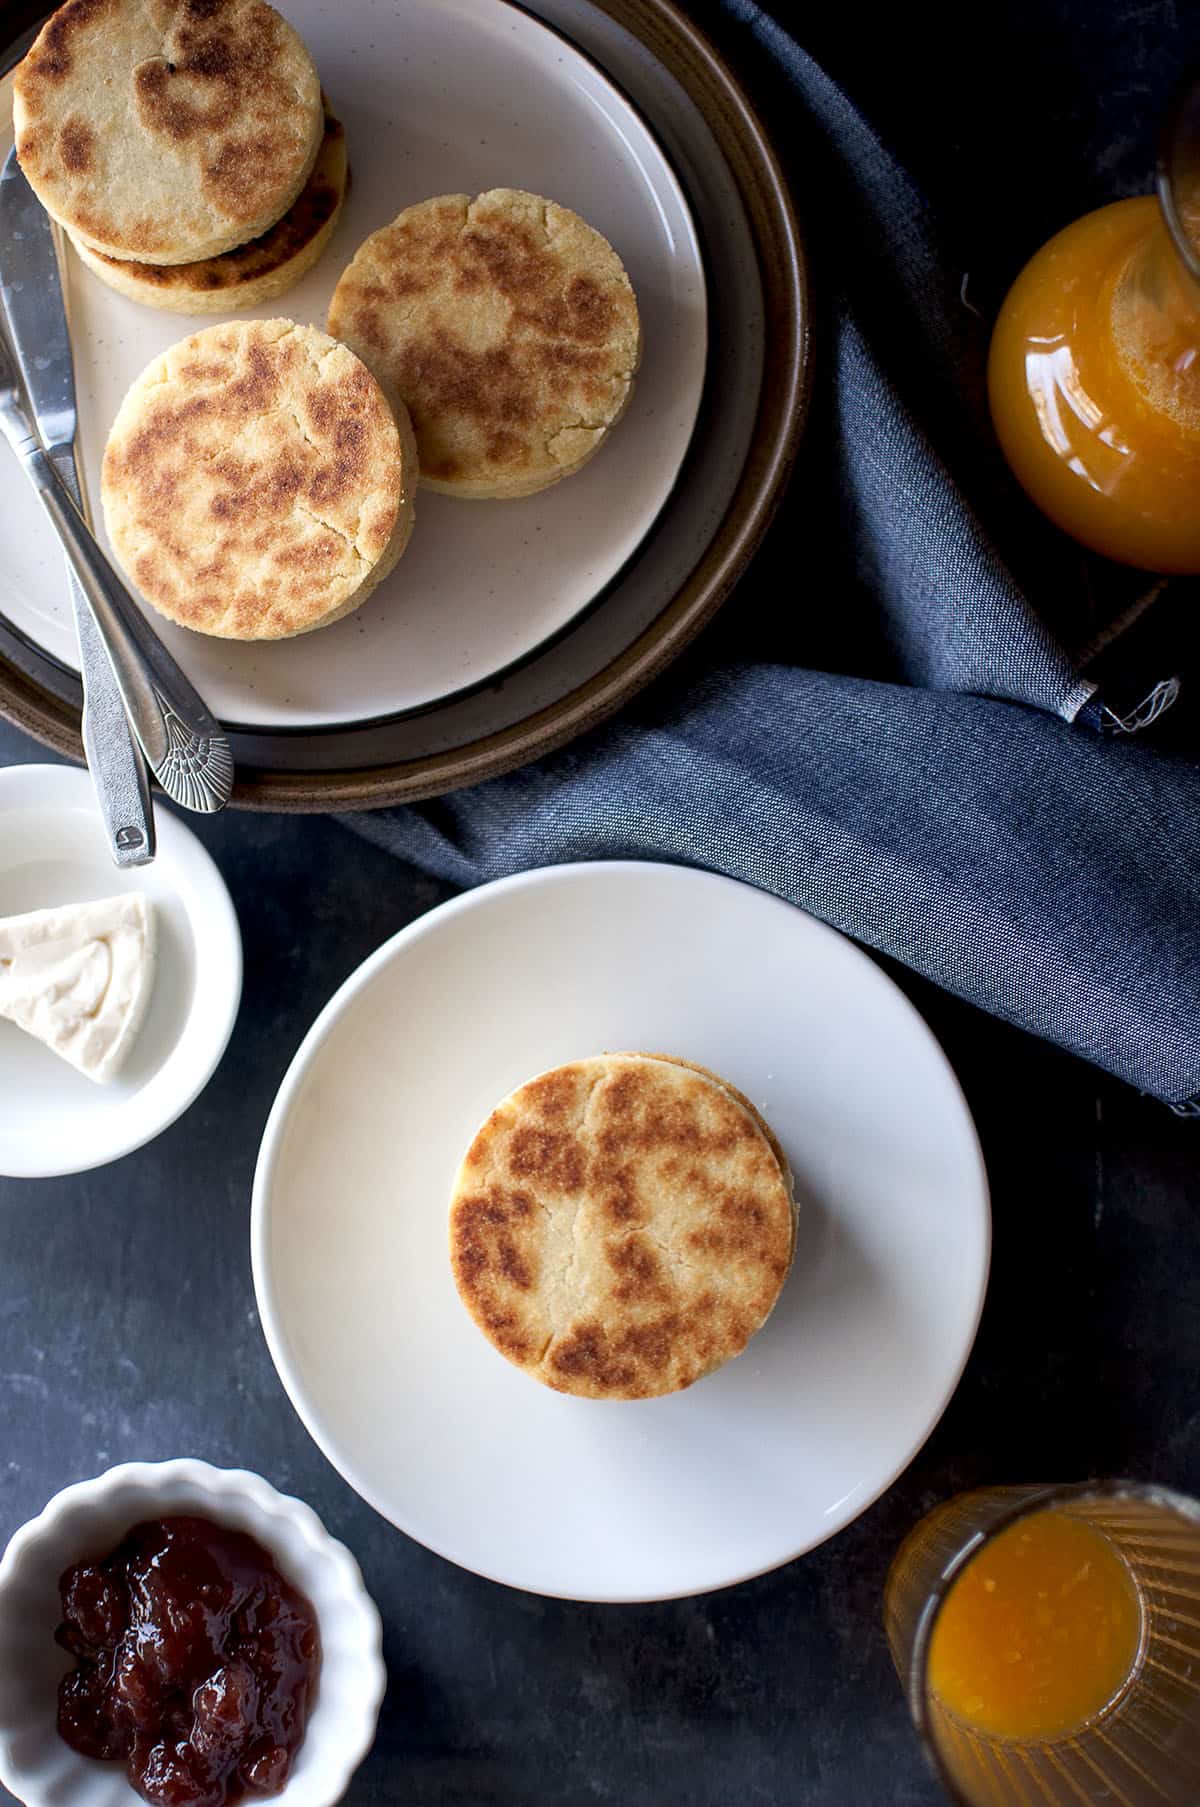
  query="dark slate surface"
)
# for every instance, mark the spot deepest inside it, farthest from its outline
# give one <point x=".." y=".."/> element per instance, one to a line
<point x="127" y="1322"/>
<point x="128" y="1330"/>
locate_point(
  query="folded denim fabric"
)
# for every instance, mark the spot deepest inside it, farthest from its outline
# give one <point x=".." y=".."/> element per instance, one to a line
<point x="950" y="801"/>
<point x="1044" y="872"/>
<point x="972" y="589"/>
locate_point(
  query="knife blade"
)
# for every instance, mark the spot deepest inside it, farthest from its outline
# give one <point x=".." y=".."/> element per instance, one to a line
<point x="31" y="300"/>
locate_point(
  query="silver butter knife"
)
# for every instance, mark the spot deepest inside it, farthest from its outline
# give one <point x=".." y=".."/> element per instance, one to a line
<point x="186" y="749"/>
<point x="37" y="327"/>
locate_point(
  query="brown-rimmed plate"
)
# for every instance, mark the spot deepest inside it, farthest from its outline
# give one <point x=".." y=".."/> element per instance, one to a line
<point x="749" y="425"/>
<point x="481" y="587"/>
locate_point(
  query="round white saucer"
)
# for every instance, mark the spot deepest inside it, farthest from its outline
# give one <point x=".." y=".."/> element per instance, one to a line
<point x="53" y="851"/>
<point x="598" y="1500"/>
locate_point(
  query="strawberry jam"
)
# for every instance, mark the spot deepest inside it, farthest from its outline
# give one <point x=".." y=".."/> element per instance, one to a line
<point x="196" y="1663"/>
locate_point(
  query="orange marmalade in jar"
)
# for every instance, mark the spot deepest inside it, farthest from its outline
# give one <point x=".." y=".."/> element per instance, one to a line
<point x="1094" y="383"/>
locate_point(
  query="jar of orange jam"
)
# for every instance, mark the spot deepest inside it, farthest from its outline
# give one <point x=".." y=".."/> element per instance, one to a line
<point x="1094" y="371"/>
<point x="1094" y="383"/>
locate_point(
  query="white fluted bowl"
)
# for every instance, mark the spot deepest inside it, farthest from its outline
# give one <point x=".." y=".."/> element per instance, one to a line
<point x="88" y="1520"/>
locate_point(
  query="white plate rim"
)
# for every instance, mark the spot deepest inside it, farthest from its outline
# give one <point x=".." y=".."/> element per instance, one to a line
<point x="188" y="855"/>
<point x="342" y="999"/>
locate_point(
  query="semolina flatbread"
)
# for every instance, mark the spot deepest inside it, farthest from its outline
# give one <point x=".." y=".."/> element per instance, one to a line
<point x="622" y="1225"/>
<point x="166" y="130"/>
<point x="256" y="483"/>
<point x="252" y="274"/>
<point x="508" y="328"/>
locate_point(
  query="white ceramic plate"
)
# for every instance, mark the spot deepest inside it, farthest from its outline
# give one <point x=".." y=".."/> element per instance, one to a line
<point x="53" y="851"/>
<point x="598" y="1500"/>
<point x="438" y="96"/>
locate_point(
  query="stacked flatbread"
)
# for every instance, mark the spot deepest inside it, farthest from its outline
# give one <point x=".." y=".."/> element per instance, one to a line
<point x="622" y="1226"/>
<point x="184" y="146"/>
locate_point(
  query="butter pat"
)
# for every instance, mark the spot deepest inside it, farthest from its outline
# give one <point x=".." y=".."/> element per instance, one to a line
<point x="79" y="978"/>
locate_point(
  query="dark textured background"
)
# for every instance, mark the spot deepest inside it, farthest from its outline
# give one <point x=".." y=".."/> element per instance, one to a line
<point x="127" y="1322"/>
<point x="128" y="1330"/>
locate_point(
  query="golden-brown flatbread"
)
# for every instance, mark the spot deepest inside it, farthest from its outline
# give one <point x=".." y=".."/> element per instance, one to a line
<point x="166" y="130"/>
<point x="622" y="1225"/>
<point x="508" y="328"/>
<point x="256" y="483"/>
<point x="251" y="274"/>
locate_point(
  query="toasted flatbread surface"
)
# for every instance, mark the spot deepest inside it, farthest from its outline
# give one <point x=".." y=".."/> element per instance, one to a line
<point x="256" y="483"/>
<point x="167" y="130"/>
<point x="252" y="274"/>
<point x="508" y="327"/>
<point x="621" y="1226"/>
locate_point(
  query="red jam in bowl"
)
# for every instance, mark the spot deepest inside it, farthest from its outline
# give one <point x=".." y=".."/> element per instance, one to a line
<point x="196" y="1663"/>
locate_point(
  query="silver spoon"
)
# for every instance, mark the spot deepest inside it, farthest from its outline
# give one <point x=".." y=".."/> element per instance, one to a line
<point x="182" y="741"/>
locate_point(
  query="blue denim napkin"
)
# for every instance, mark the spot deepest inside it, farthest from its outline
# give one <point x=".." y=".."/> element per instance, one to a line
<point x="959" y="784"/>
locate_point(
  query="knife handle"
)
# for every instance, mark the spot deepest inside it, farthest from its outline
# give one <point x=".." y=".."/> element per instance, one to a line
<point x="116" y="762"/>
<point x="119" y="772"/>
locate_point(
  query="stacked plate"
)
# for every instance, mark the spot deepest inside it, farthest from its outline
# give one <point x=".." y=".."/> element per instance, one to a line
<point x="507" y="629"/>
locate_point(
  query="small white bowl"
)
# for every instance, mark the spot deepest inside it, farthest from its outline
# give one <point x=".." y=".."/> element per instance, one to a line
<point x="89" y="1519"/>
<point x="53" y="851"/>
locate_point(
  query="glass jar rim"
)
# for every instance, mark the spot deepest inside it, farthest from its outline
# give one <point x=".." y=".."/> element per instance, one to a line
<point x="1180" y="130"/>
<point x="1037" y="1500"/>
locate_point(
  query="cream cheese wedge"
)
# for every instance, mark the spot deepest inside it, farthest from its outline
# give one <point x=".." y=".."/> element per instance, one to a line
<point x="78" y="978"/>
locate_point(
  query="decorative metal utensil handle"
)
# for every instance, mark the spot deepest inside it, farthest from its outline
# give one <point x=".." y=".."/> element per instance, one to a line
<point x="187" y="751"/>
<point x="115" y="760"/>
